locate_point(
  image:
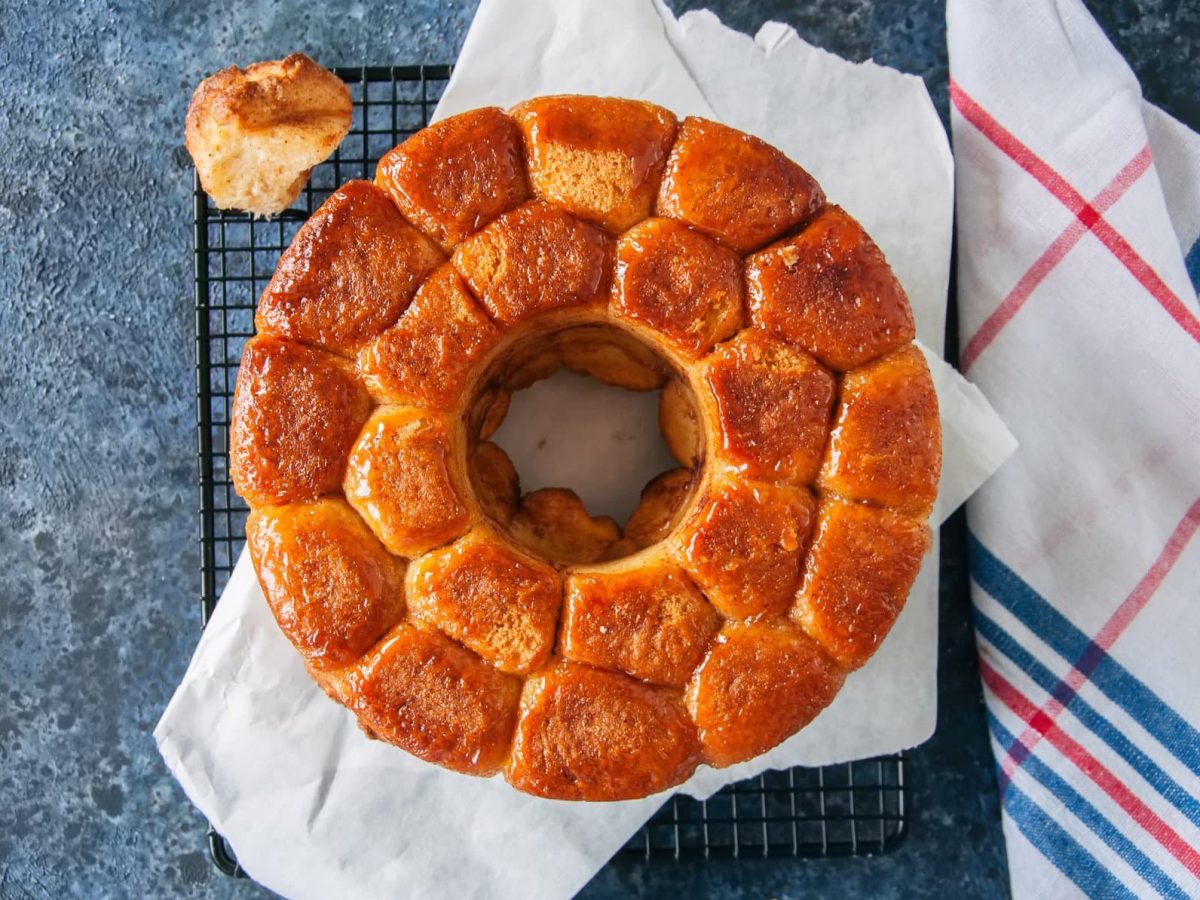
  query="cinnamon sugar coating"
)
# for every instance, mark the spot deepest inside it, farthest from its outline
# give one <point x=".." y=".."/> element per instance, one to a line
<point x="679" y="421"/>
<point x="401" y="479"/>
<point x="427" y="357"/>
<point x="348" y="274"/>
<point x="488" y="631"/>
<point x="554" y="523"/>
<point x="333" y="588"/>
<point x="829" y="291"/>
<point x="497" y="601"/>
<point x="585" y="734"/>
<point x="495" y="481"/>
<point x="661" y="505"/>
<point x="296" y="413"/>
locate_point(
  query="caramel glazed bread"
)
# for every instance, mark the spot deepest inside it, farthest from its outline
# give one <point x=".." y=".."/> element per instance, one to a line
<point x="485" y="631"/>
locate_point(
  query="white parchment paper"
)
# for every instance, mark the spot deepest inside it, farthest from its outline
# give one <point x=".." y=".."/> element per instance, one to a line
<point x="312" y="808"/>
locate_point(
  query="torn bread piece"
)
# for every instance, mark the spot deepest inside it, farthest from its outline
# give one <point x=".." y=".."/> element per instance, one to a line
<point x="256" y="133"/>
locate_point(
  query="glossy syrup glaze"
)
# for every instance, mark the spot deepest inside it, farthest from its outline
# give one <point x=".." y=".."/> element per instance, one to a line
<point x="879" y="451"/>
<point x="496" y="600"/>
<point x="457" y="175"/>
<point x="429" y="355"/>
<point x="332" y="586"/>
<point x="487" y="630"/>
<point x="857" y="576"/>
<point x="772" y="404"/>
<point x="744" y="544"/>
<point x="682" y="284"/>
<point x="348" y="274"/>
<point x="534" y="259"/>
<point x="587" y="734"/>
<point x="732" y="185"/>
<point x="421" y="691"/>
<point x="760" y="684"/>
<point x="400" y="479"/>
<point x="296" y="413"/>
<point x="651" y="623"/>
<point x="597" y="158"/>
<point x="829" y="290"/>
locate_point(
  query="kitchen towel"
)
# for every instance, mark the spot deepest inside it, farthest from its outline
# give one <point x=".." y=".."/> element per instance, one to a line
<point x="1078" y="215"/>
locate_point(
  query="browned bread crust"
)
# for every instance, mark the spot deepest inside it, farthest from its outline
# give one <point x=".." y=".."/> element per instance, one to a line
<point x="330" y="583"/>
<point x="649" y="622"/>
<point x="599" y="158"/>
<point x="348" y="274"/>
<point x="761" y="683"/>
<point x="732" y="185"/>
<point x="487" y="630"/>
<point x="863" y="562"/>
<point x="255" y="133"/>
<point x="588" y="734"/>
<point x="421" y="691"/>
<point x="456" y="176"/>
<point x="829" y="291"/>
<point x="296" y="414"/>
<point x="403" y="478"/>
<point x="491" y="597"/>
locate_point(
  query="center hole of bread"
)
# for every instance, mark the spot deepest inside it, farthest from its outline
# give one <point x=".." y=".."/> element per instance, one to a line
<point x="584" y="449"/>
<point x="602" y="442"/>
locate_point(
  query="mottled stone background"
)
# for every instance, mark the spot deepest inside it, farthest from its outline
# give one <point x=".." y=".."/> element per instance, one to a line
<point x="98" y="580"/>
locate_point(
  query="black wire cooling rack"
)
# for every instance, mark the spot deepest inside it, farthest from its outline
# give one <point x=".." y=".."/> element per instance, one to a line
<point x="852" y="809"/>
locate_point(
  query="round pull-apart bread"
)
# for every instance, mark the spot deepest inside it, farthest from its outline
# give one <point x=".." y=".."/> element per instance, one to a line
<point x="486" y="631"/>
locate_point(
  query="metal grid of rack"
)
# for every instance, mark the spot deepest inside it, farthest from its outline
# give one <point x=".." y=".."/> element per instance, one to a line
<point x="850" y="809"/>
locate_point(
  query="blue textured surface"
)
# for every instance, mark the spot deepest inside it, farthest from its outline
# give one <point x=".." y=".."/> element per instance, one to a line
<point x="98" y="614"/>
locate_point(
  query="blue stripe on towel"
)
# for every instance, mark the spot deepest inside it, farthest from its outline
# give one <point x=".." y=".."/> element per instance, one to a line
<point x="1155" y="776"/>
<point x="1118" y="683"/>
<point x="1192" y="261"/>
<point x="1093" y="819"/>
<point x="1067" y="854"/>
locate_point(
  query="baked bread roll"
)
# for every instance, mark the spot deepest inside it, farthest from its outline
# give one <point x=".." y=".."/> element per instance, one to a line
<point x="256" y="133"/>
<point x="486" y="630"/>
